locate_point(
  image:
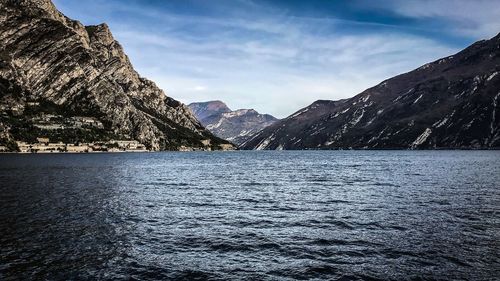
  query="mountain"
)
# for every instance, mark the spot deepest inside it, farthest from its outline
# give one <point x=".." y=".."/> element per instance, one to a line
<point x="235" y="126"/>
<point x="204" y="109"/>
<point x="53" y="68"/>
<point x="450" y="103"/>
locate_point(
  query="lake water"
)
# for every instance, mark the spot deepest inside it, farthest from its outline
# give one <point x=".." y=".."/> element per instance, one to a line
<point x="337" y="215"/>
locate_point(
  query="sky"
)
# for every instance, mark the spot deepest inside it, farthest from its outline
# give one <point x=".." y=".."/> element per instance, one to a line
<point x="280" y="56"/>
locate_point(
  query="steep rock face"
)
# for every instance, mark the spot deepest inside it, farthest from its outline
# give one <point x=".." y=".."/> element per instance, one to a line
<point x="453" y="102"/>
<point x="48" y="58"/>
<point x="235" y="126"/>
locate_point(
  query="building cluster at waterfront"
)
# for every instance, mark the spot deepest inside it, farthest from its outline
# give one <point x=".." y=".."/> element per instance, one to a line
<point x="43" y="145"/>
<point x="223" y="147"/>
<point x="56" y="122"/>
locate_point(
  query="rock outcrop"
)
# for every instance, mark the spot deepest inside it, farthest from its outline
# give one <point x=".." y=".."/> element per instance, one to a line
<point x="235" y="126"/>
<point x="53" y="65"/>
<point x="452" y="103"/>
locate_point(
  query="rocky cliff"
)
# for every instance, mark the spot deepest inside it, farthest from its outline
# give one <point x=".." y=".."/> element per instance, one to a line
<point x="453" y="103"/>
<point x="235" y="126"/>
<point x="54" y="66"/>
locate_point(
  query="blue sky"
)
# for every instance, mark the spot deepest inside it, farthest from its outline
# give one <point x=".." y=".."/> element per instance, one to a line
<point x="279" y="56"/>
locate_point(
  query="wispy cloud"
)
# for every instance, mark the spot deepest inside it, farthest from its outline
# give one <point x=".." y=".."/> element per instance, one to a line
<point x="258" y="55"/>
<point x="478" y="18"/>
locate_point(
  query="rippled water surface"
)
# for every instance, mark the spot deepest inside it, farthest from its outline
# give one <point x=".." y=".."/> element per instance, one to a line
<point x="337" y="215"/>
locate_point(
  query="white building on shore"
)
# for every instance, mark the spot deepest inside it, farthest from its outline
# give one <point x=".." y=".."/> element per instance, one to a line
<point x="44" y="145"/>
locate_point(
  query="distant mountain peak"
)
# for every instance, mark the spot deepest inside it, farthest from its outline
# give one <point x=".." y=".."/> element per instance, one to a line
<point x="204" y="109"/>
<point x="239" y="112"/>
<point x="235" y="126"/>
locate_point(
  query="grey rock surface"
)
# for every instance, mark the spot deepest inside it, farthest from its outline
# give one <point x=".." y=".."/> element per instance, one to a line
<point x="47" y="57"/>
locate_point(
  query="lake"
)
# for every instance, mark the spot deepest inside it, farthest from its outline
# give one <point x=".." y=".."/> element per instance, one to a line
<point x="251" y="215"/>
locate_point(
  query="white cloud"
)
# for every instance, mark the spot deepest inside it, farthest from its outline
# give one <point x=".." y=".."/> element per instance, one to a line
<point x="277" y="76"/>
<point x="478" y="18"/>
<point x="199" y="88"/>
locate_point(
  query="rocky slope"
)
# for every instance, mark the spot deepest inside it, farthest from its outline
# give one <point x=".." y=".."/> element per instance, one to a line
<point x="235" y="126"/>
<point x="453" y="102"/>
<point x="52" y="65"/>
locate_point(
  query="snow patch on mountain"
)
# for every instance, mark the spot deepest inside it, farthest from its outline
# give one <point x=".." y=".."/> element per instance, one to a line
<point x="422" y="138"/>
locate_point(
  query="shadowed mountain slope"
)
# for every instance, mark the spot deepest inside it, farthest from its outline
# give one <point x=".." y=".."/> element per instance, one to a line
<point x="453" y="102"/>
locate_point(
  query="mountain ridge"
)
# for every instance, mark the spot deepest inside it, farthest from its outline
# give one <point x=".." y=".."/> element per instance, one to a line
<point x="82" y="71"/>
<point x="204" y="109"/>
<point x="235" y="126"/>
<point x="449" y="103"/>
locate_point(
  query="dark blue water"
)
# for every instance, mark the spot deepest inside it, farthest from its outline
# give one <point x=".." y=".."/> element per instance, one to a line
<point x="339" y="215"/>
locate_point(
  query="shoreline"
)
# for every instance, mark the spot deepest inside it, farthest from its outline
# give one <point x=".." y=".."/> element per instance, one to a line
<point x="242" y="150"/>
